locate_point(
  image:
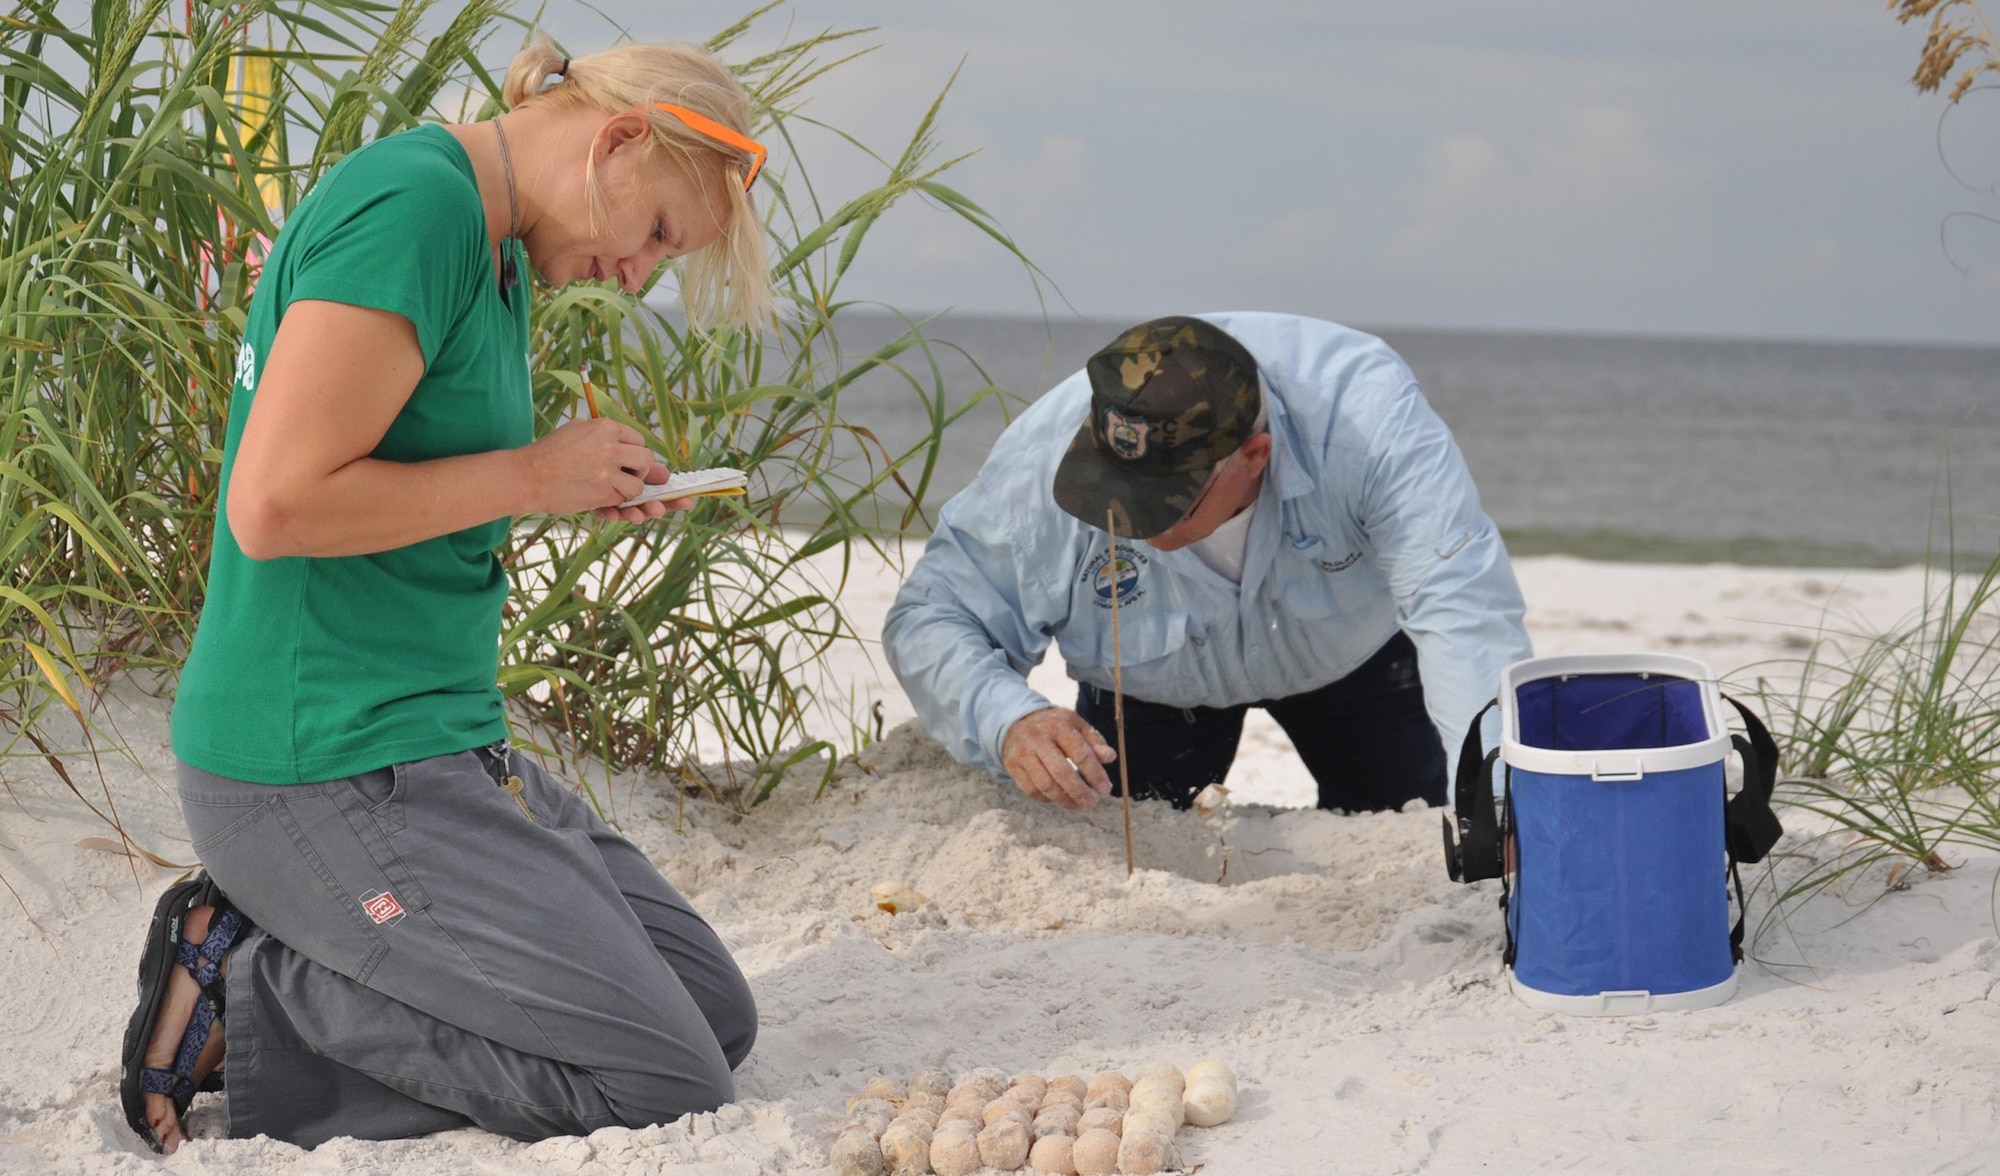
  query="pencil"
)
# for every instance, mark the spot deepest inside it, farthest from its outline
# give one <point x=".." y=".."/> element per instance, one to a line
<point x="590" y="397"/>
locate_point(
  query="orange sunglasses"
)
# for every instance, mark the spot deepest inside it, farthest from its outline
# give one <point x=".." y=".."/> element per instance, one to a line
<point x="723" y="135"/>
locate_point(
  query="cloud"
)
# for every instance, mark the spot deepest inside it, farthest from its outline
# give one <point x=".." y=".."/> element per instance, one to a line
<point x="1591" y="195"/>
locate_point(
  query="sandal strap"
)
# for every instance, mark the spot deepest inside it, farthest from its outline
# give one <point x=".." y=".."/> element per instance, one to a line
<point x="204" y="960"/>
<point x="193" y="1040"/>
<point x="153" y="1080"/>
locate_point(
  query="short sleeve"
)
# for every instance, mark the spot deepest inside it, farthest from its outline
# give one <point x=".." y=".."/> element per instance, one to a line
<point x="396" y="230"/>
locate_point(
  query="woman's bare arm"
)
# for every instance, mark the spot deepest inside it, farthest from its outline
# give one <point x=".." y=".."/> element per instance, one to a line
<point x="335" y="378"/>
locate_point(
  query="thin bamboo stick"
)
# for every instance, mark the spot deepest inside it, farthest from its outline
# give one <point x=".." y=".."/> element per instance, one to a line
<point x="1118" y="682"/>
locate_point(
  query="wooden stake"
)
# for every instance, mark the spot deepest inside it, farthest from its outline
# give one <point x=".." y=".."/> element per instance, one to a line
<point x="1118" y="683"/>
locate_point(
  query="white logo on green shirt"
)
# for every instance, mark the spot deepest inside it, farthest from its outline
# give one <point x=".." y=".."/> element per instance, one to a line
<point x="246" y="367"/>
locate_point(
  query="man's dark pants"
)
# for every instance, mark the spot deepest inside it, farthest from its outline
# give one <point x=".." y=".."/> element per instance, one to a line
<point x="1366" y="738"/>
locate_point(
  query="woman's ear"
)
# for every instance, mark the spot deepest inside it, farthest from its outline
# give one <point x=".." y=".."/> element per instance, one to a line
<point x="627" y="130"/>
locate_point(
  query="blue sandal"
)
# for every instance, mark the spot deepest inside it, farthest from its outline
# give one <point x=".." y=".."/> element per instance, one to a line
<point x="165" y="951"/>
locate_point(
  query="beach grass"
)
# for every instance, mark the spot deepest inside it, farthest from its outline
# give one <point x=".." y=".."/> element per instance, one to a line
<point x="149" y="159"/>
<point x="1890" y="742"/>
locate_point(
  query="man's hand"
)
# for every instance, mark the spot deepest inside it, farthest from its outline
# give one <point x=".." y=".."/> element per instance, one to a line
<point x="1055" y="756"/>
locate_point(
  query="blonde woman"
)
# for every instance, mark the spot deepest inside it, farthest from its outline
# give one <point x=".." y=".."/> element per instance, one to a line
<point x="401" y="926"/>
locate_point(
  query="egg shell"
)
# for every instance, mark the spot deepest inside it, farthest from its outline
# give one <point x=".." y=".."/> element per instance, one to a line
<point x="921" y="1119"/>
<point x="1060" y="1119"/>
<point x="955" y="1152"/>
<point x="1209" y="1103"/>
<point x="1164" y="1071"/>
<point x="886" y="1089"/>
<point x="1101" y="1119"/>
<point x="936" y="1083"/>
<point x="1073" y="1083"/>
<point x="1095" y="1153"/>
<point x="1004" y="1108"/>
<point x="906" y="1149"/>
<point x="1004" y="1145"/>
<point x="1167" y="1107"/>
<point x="855" y="1153"/>
<point x="1211" y="1068"/>
<point x="1108" y="1081"/>
<point x="895" y="897"/>
<point x="1053" y="1155"/>
<point x="1142" y="1152"/>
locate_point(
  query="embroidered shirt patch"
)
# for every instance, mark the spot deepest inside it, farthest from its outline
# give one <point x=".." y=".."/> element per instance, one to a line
<point x="1102" y="574"/>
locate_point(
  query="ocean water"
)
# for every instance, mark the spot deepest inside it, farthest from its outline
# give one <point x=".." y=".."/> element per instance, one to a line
<point x="1650" y="449"/>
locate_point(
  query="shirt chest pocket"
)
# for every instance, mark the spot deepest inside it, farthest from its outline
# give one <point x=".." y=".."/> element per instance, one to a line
<point x="1317" y="580"/>
<point x="1143" y="636"/>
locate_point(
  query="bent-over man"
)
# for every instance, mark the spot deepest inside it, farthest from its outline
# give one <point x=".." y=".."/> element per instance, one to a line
<point x="1295" y="530"/>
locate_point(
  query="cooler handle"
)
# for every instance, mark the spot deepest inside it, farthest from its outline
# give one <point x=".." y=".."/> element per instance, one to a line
<point x="1473" y="855"/>
<point x="1749" y="824"/>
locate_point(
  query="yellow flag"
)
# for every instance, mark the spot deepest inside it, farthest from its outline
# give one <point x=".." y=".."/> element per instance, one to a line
<point x="252" y="77"/>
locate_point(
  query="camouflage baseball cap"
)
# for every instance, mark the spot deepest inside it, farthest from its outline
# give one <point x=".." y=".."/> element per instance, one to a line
<point x="1169" y="400"/>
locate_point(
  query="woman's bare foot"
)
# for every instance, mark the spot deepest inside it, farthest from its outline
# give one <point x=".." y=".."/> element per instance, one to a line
<point x="175" y="1011"/>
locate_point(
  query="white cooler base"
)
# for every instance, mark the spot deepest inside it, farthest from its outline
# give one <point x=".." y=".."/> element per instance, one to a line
<point x="1623" y="1004"/>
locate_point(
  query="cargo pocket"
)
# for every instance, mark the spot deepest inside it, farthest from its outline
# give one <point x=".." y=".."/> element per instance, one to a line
<point x="373" y="804"/>
<point x="284" y="864"/>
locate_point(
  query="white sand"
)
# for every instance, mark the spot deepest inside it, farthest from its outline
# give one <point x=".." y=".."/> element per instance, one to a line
<point x="1356" y="991"/>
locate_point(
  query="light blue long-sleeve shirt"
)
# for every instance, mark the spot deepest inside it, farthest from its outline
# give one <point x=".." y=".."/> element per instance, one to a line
<point x="1367" y="522"/>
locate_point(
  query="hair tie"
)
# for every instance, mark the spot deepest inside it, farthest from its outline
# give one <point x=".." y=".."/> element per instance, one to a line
<point x="564" y="71"/>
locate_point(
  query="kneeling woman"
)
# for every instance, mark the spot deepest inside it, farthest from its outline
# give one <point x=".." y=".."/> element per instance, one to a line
<point x="402" y="927"/>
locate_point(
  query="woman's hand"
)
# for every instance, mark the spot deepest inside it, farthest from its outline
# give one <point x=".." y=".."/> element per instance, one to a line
<point x="593" y="465"/>
<point x="306" y="481"/>
<point x="645" y="510"/>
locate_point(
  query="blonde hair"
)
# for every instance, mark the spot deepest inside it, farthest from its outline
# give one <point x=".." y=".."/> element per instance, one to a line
<point x="724" y="283"/>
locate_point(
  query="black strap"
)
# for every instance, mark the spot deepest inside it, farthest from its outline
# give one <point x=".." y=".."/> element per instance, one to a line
<point x="1506" y="892"/>
<point x="1750" y="826"/>
<point x="1742" y="912"/>
<point x="1473" y="855"/>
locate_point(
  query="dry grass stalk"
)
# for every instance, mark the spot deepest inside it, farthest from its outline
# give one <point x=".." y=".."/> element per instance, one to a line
<point x="1958" y="30"/>
<point x="1118" y="683"/>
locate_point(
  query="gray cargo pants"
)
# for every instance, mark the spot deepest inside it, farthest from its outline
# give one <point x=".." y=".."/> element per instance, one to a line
<point x="426" y="956"/>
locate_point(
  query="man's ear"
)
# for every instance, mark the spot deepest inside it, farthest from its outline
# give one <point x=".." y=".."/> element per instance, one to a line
<point x="1257" y="452"/>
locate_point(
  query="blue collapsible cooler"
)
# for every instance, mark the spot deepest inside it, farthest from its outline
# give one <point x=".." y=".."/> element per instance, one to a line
<point x="1615" y="792"/>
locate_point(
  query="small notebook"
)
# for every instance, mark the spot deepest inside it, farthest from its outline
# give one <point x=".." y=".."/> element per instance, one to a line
<point x="693" y="484"/>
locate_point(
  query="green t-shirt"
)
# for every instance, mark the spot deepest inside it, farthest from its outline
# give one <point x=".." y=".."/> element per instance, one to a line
<point x="308" y="668"/>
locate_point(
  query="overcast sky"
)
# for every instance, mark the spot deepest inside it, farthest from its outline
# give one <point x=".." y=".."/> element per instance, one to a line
<point x="1738" y="167"/>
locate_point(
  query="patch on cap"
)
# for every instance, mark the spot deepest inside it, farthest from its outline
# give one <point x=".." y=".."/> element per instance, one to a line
<point x="1126" y="435"/>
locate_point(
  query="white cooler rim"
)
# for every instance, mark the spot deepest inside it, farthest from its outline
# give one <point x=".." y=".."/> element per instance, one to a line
<point x="1612" y="763"/>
